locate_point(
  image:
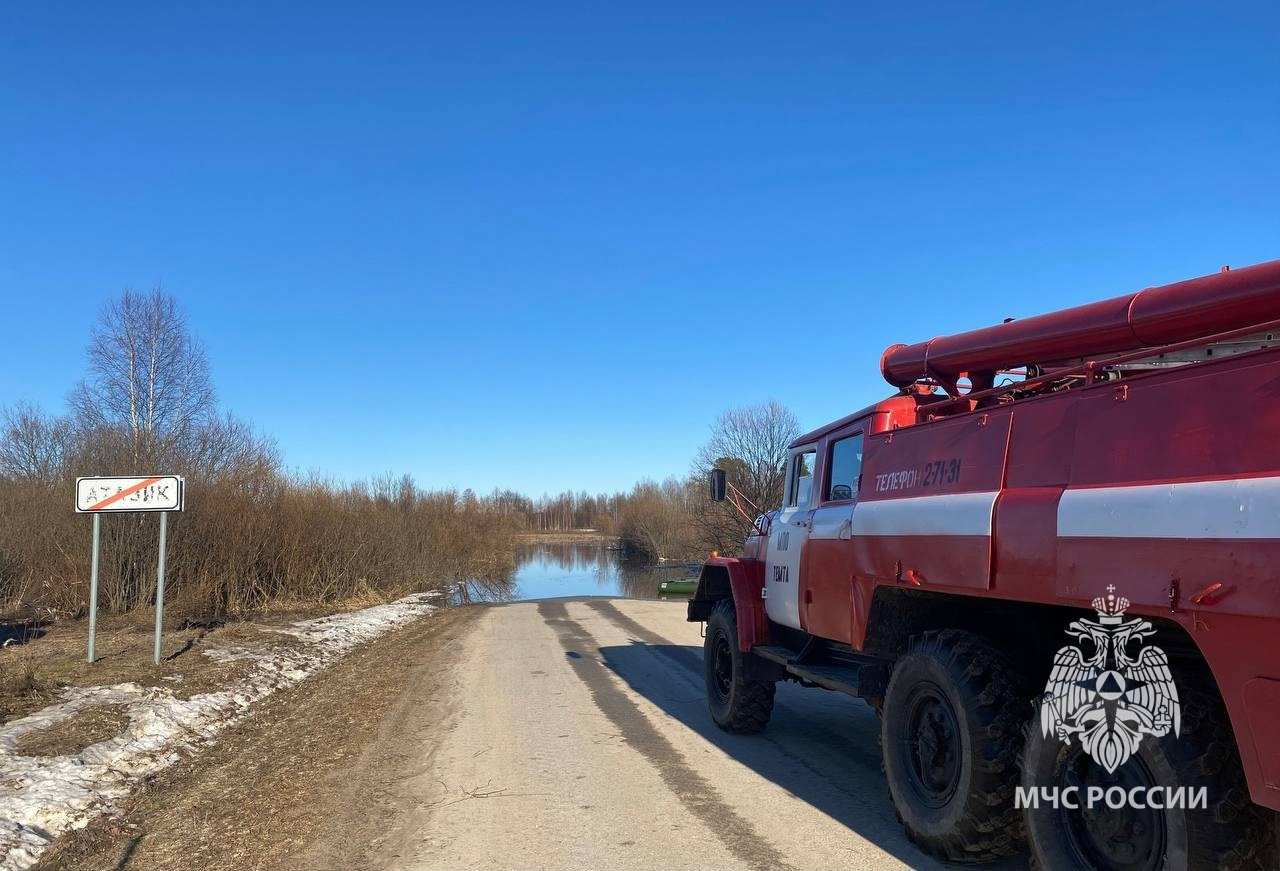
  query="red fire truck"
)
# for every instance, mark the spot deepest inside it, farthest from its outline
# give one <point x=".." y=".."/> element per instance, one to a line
<point x="1051" y="563"/>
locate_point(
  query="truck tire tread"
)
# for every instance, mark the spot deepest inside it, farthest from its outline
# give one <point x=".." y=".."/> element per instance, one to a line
<point x="990" y="827"/>
<point x="752" y="700"/>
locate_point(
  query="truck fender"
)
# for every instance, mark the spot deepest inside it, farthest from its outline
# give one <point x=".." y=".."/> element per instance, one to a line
<point x="741" y="580"/>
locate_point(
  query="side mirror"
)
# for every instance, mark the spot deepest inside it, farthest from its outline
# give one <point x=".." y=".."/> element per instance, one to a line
<point x="719" y="484"/>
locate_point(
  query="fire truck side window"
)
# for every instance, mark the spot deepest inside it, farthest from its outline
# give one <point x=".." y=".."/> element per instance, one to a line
<point x="801" y="478"/>
<point x="846" y="465"/>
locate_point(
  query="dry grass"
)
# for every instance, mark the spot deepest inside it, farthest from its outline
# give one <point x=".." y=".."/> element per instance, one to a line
<point x="74" y="734"/>
<point x="33" y="675"/>
<point x="24" y="684"/>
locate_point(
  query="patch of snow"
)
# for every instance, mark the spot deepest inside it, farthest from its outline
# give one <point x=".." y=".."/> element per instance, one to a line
<point x="225" y="655"/>
<point x="42" y="797"/>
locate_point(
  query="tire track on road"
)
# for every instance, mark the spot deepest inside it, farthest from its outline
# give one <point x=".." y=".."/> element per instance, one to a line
<point x="693" y="790"/>
<point x="682" y="655"/>
<point x="692" y="662"/>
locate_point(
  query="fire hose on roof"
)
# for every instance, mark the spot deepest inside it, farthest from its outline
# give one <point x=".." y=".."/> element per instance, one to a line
<point x="1216" y="303"/>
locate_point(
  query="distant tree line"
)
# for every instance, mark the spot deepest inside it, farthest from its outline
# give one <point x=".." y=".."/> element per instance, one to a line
<point x="564" y="512"/>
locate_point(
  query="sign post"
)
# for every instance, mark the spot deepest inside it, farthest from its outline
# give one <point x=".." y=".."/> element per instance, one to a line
<point x="93" y="585"/>
<point x="164" y="526"/>
<point x="96" y="496"/>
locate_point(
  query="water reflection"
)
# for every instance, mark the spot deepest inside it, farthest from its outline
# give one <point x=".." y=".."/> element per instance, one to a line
<point x="588" y="568"/>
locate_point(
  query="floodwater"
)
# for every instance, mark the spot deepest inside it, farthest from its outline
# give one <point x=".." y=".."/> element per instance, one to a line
<point x="590" y="568"/>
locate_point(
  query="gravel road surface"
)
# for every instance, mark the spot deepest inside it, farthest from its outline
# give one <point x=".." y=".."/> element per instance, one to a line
<point x="580" y="739"/>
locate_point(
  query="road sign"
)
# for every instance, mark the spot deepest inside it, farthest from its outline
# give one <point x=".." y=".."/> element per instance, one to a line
<point x="98" y="496"/>
<point x="153" y="493"/>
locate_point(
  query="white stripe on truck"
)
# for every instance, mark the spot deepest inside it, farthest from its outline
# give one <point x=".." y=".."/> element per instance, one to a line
<point x="955" y="514"/>
<point x="1234" y="508"/>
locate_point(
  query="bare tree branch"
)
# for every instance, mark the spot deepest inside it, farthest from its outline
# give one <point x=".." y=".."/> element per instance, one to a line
<point x="751" y="445"/>
<point x="34" y="446"/>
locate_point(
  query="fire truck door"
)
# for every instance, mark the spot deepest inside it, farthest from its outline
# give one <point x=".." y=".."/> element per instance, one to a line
<point x="787" y="539"/>
<point x="826" y="572"/>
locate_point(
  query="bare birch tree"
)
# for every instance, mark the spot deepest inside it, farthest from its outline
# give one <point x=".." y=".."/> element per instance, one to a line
<point x="147" y="374"/>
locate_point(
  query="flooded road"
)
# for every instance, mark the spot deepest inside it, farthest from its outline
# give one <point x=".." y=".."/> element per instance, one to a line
<point x="547" y="570"/>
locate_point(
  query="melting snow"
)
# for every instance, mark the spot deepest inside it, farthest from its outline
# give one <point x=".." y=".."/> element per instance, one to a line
<point x="42" y="797"/>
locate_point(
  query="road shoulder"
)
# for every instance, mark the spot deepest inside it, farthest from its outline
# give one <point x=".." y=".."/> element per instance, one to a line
<point x="293" y="785"/>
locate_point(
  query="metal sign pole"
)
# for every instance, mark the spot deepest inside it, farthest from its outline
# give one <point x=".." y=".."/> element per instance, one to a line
<point x="164" y="526"/>
<point x="93" y="585"/>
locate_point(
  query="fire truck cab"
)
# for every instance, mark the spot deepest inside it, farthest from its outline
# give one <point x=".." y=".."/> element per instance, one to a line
<point x="1048" y="561"/>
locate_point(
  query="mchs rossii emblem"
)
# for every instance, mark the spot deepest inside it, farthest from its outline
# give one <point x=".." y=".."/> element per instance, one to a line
<point x="1112" y="688"/>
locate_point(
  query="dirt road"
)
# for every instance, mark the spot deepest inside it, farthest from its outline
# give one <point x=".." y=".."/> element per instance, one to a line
<point x="579" y="738"/>
<point x="544" y="735"/>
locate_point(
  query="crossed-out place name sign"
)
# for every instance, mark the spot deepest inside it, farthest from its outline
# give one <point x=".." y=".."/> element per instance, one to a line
<point x="98" y="496"/>
<point x="154" y="493"/>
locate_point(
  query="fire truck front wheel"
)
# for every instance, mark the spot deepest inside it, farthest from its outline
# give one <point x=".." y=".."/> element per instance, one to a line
<point x="951" y="735"/>
<point x="737" y="703"/>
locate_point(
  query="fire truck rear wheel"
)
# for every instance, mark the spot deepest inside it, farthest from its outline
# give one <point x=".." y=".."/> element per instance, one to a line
<point x="951" y="736"/>
<point x="1229" y="833"/>
<point x="737" y="703"/>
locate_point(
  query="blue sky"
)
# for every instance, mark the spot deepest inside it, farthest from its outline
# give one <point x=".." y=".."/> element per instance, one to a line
<point x="543" y="245"/>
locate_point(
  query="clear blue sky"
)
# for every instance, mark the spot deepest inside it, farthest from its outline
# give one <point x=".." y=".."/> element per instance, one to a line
<point x="541" y="245"/>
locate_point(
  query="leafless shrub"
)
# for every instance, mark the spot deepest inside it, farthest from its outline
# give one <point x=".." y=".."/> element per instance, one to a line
<point x="249" y="534"/>
<point x="33" y="445"/>
<point x="655" y="520"/>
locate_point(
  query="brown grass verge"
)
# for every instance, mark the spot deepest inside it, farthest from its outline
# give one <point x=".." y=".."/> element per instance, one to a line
<point x="34" y="674"/>
<point x="75" y="733"/>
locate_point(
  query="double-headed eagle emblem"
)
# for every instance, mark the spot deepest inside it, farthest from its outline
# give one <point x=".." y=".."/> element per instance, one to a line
<point x="1111" y="689"/>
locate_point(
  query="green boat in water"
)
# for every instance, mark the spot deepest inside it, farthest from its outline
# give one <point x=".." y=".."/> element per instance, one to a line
<point x="681" y="587"/>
